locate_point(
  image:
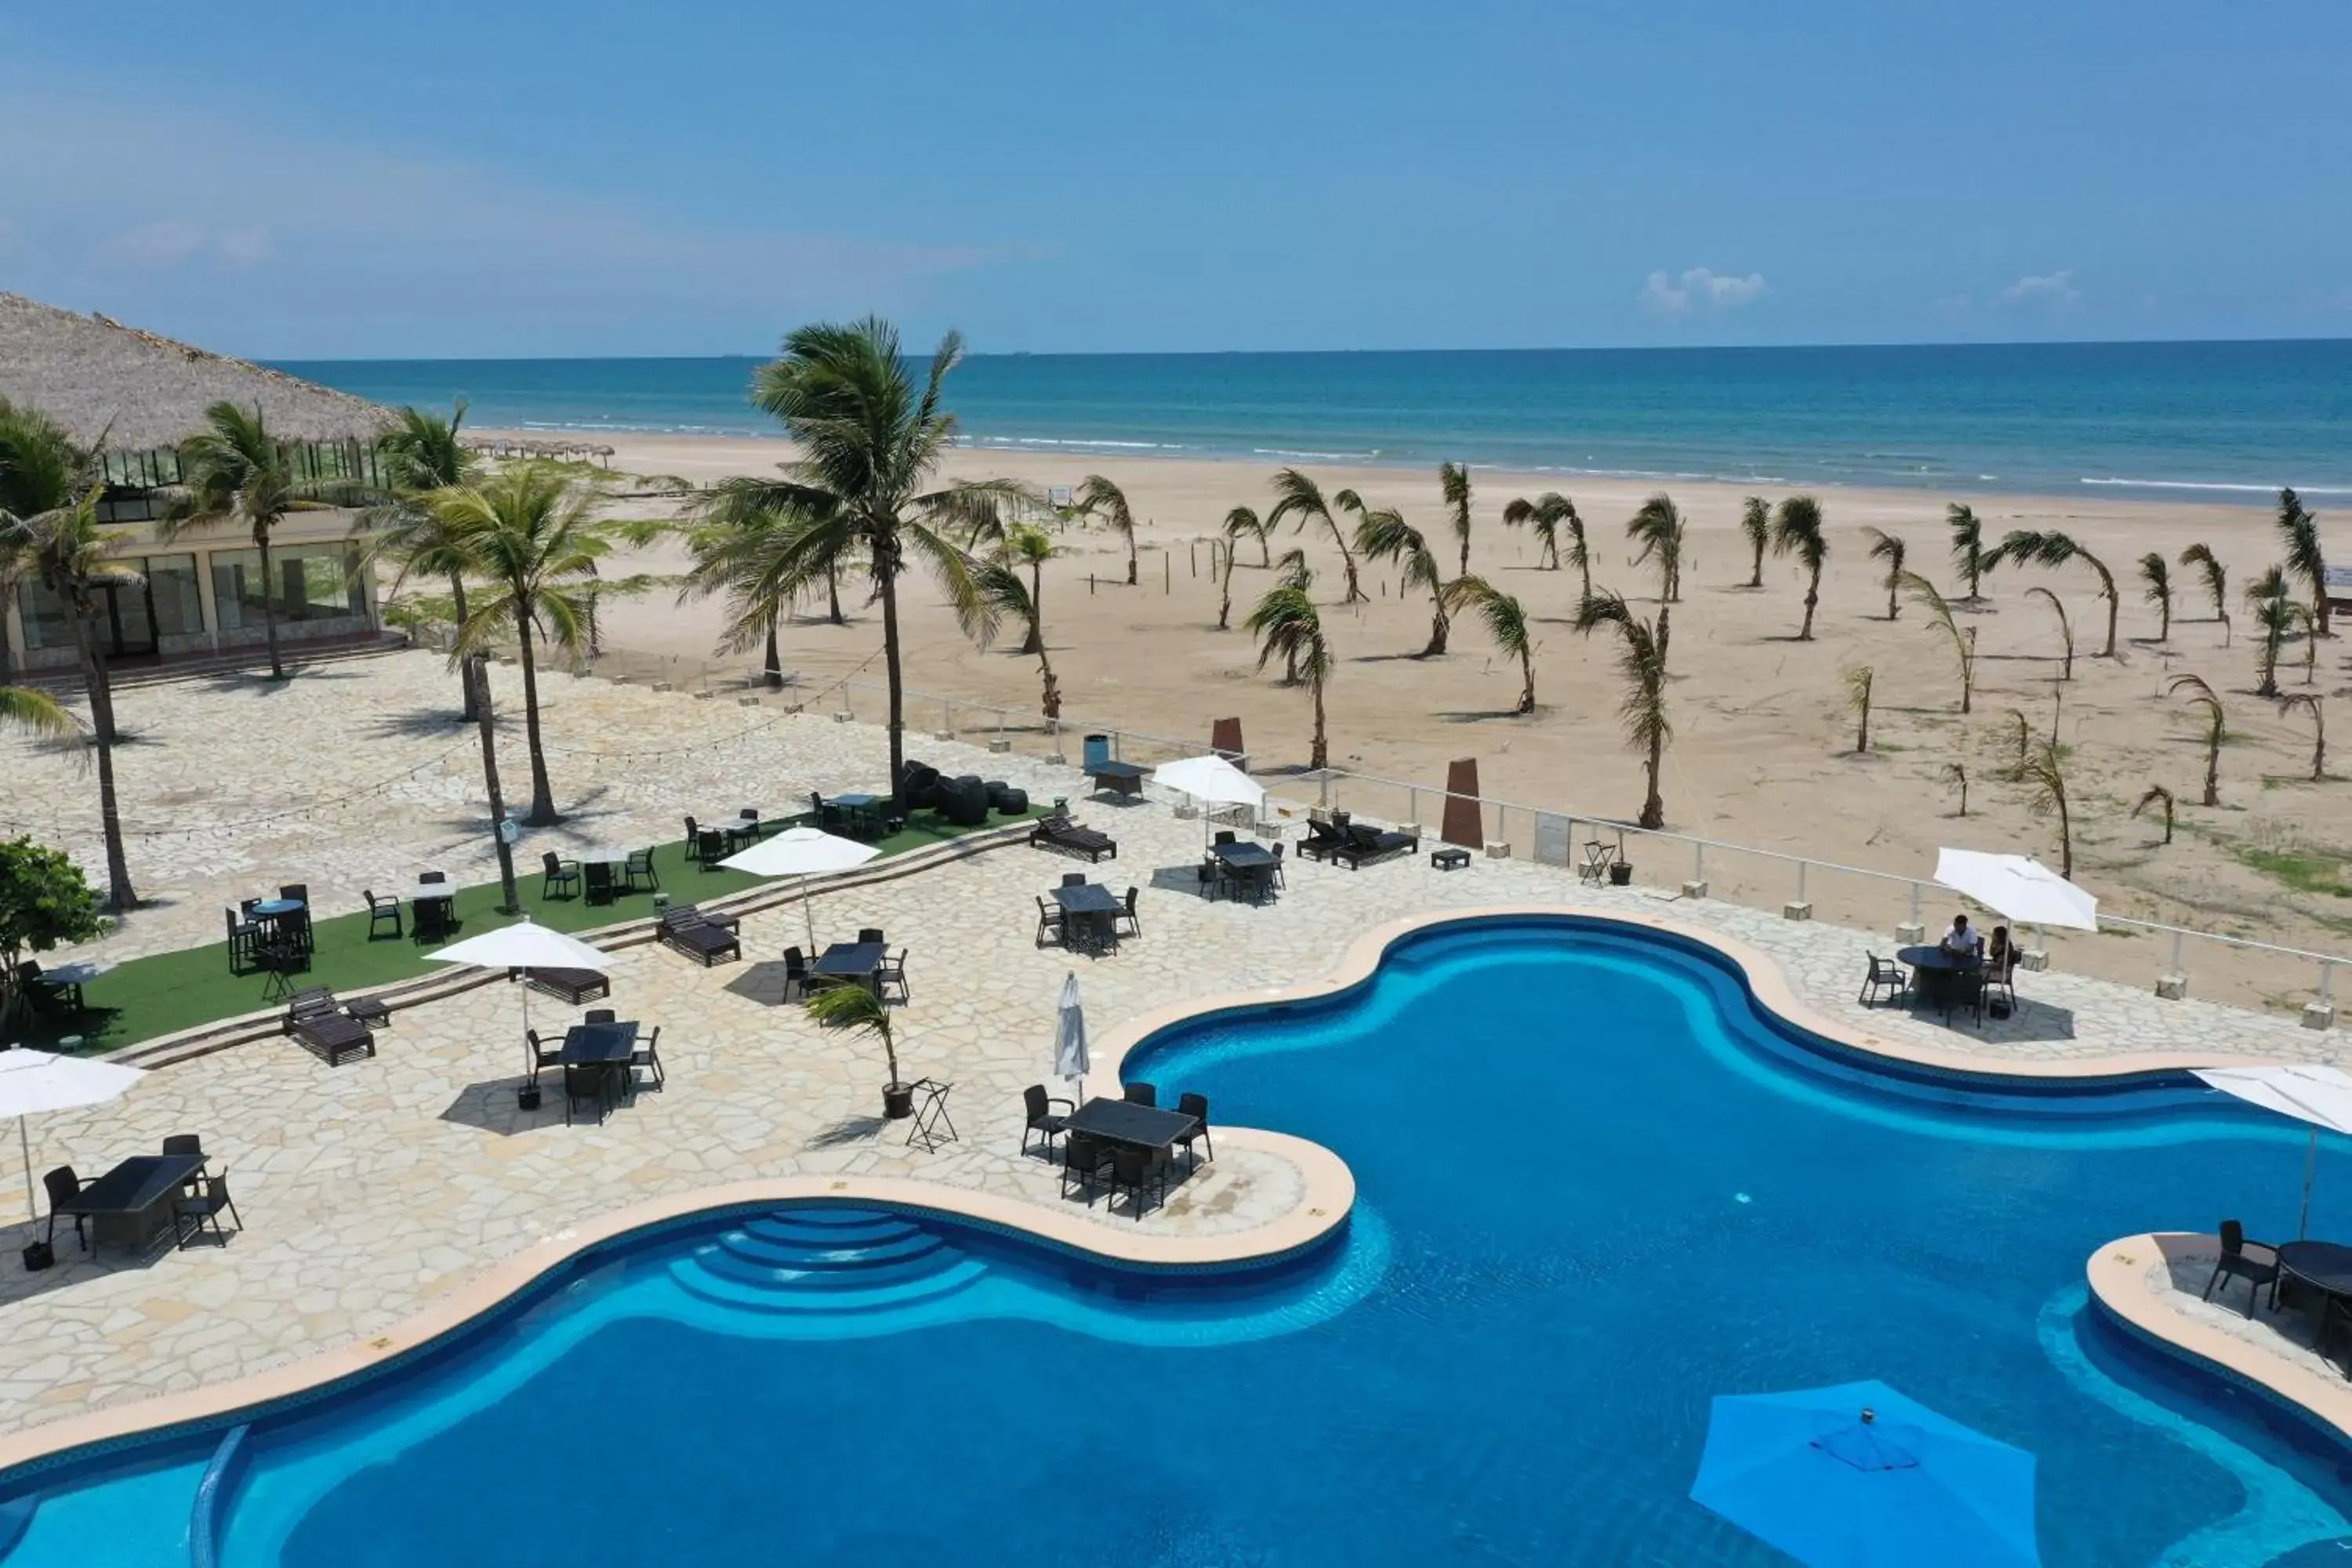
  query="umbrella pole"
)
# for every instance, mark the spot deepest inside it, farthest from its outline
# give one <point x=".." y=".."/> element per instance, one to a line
<point x="530" y="1056"/>
<point x="2302" y="1225"/>
<point x="25" y="1137"/>
<point x="808" y="910"/>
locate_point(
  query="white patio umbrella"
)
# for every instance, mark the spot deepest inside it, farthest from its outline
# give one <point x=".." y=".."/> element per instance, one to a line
<point x="1212" y="781"/>
<point x="2018" y="886"/>
<point x="802" y="852"/>
<point x="33" y="1081"/>
<point x="525" y="944"/>
<point x="2311" y="1093"/>
<point x="1070" y="1038"/>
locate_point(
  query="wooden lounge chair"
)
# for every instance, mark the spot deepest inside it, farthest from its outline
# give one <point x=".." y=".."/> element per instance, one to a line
<point x="698" y="937"/>
<point x="1067" y="837"/>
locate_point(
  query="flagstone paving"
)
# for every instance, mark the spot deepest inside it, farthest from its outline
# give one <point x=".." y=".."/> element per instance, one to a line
<point x="369" y="1189"/>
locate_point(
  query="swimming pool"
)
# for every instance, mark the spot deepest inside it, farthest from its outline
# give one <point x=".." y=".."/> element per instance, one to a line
<point x="1595" y="1188"/>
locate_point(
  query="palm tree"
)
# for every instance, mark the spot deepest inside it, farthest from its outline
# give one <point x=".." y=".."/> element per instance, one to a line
<point x="740" y="545"/>
<point x="1964" y="638"/>
<point x="2157" y="796"/>
<point x="1025" y="545"/>
<point x="1384" y="535"/>
<point x="2216" y="730"/>
<point x="2310" y="703"/>
<point x="2066" y="627"/>
<point x="421" y="453"/>
<point x="235" y="470"/>
<point x="1454" y="482"/>
<point x="1242" y="521"/>
<point x="1506" y="623"/>
<point x="534" y="533"/>
<point x="2157" y="575"/>
<point x="1297" y="496"/>
<point x="1545" y="514"/>
<point x="1886" y="547"/>
<point x="2045" y="780"/>
<point x="869" y="436"/>
<point x="1659" y="526"/>
<point x="1858" y="682"/>
<point x="1796" y="528"/>
<point x="1098" y="497"/>
<point x="2275" y="615"/>
<point x="1755" y="524"/>
<point x="1286" y="623"/>
<point x="860" y="1011"/>
<point x="1239" y="523"/>
<point x="2217" y="583"/>
<point x="2025" y="733"/>
<point x="1956" y="775"/>
<point x="37" y="713"/>
<point x="1642" y="660"/>
<point x="2050" y="548"/>
<point x="2299" y="533"/>
<point x="1968" y="547"/>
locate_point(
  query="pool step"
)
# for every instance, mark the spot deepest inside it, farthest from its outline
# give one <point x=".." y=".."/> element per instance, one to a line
<point x="826" y="1260"/>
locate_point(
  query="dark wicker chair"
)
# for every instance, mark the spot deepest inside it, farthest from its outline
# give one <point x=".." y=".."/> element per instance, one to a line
<point x="693" y="840"/>
<point x="1067" y="837"/>
<point x="1085" y="1161"/>
<point x="870" y="934"/>
<point x="1049" y="922"/>
<point x="2255" y="1262"/>
<point x="589" y="1081"/>
<point x="1195" y="1106"/>
<point x="1142" y="1094"/>
<point x="379" y="912"/>
<point x="192" y="1213"/>
<point x="597" y="878"/>
<point x="1884" y="980"/>
<point x="638" y="875"/>
<point x="557" y="875"/>
<point x="796" y="973"/>
<point x="1045" y="1122"/>
<point x="1136" y="1172"/>
<point x="647" y="1055"/>
<point x="62" y="1187"/>
<point x="893" y="972"/>
<point x="1132" y="915"/>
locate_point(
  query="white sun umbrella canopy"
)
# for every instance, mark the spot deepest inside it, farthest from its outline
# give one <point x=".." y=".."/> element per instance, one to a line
<point x="802" y="852"/>
<point x="33" y="1081"/>
<point x="1212" y="781"/>
<point x="2019" y="888"/>
<point x="2311" y="1094"/>
<point x="525" y="944"/>
<point x="1070" y="1060"/>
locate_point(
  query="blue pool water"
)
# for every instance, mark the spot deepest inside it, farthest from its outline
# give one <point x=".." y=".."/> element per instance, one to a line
<point x="1596" y="1188"/>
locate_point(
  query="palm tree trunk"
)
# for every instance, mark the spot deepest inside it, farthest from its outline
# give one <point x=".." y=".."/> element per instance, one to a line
<point x="886" y="585"/>
<point x="1585" y="566"/>
<point x="1813" y="597"/>
<point x="1319" y="755"/>
<point x="1053" y="702"/>
<point x="1347" y="558"/>
<point x="2065" y="840"/>
<point x="542" y="794"/>
<point x="774" y="664"/>
<point x="1131" y="560"/>
<point x="1226" y="594"/>
<point x="1438" y="627"/>
<point x="1755" y="565"/>
<point x="269" y="604"/>
<point x="1654" y="807"/>
<point x="1037" y="640"/>
<point x="477" y="696"/>
<point x="100" y="689"/>
<point x="2213" y="772"/>
<point x="2114" y="606"/>
<point x="1527" y="683"/>
<point x="2164" y="627"/>
<point x="468" y="670"/>
<point x="833" y="594"/>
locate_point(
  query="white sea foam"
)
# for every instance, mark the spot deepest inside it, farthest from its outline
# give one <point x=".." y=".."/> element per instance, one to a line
<point x="1371" y="457"/>
<point x="2210" y="485"/>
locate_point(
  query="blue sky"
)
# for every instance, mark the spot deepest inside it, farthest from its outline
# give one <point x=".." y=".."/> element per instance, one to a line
<point x="523" y="178"/>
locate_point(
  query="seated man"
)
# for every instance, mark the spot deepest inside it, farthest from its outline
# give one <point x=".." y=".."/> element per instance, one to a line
<point x="1962" y="940"/>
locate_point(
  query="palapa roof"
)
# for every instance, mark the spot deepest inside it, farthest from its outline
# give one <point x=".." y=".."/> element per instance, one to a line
<point x="97" y="377"/>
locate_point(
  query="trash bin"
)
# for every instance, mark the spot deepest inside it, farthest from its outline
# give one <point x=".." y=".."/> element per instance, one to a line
<point x="1098" y="752"/>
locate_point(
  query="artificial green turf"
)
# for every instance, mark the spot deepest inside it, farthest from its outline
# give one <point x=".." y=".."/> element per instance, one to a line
<point x="162" y="994"/>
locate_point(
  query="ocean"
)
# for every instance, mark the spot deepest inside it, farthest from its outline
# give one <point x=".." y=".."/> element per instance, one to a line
<point x="2188" y="420"/>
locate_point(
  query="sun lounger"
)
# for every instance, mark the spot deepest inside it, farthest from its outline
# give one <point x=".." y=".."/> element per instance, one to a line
<point x="318" y="1000"/>
<point x="1322" y="841"/>
<point x="1063" y="836"/>
<point x="1363" y="843"/>
<point x="332" y="1035"/>
<point x="574" y="986"/>
<point x="690" y="933"/>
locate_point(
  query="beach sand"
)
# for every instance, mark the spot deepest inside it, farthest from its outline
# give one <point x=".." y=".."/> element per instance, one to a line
<point x="1763" y="750"/>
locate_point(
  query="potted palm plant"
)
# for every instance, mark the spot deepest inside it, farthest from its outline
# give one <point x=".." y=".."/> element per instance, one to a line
<point x="855" y="1008"/>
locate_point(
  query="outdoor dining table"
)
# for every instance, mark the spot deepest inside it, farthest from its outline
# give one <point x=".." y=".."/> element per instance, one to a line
<point x="608" y="1046"/>
<point x="1937" y="971"/>
<point x="1091" y="909"/>
<point x="66" y="980"/>
<point x="2325" y="1266"/>
<point x="1251" y="865"/>
<point x="130" y="1205"/>
<point x="1133" y="1126"/>
<point x="864" y="812"/>
<point x="852" y="960"/>
<point x="425" y="892"/>
<point x="1118" y="778"/>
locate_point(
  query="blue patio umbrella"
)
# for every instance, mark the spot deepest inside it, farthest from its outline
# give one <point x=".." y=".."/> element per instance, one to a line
<point x="1859" y="1475"/>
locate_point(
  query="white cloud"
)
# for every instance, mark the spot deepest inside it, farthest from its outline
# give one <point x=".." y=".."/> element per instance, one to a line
<point x="1698" y="290"/>
<point x="2056" y="289"/>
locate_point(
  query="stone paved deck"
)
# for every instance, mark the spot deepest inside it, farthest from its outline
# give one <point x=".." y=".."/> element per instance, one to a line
<point x="370" y="1190"/>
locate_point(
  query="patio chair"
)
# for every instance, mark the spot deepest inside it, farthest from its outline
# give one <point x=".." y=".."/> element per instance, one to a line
<point x="1063" y="837"/>
<point x="693" y="840"/>
<point x="41" y="998"/>
<point x="589" y="1081"/>
<point x="2255" y="1262"/>
<point x="796" y="973"/>
<point x="1130" y="917"/>
<point x="1195" y="1106"/>
<point x="710" y="848"/>
<point x="1211" y="873"/>
<point x="1045" y="1122"/>
<point x="242" y="934"/>
<point x="1074" y="879"/>
<point x="557" y="875"/>
<point x="63" y="1188"/>
<point x="1136" y="1172"/>
<point x="433" y="877"/>
<point x="832" y="818"/>
<point x="893" y="972"/>
<point x="640" y="868"/>
<point x="1224" y="835"/>
<point x="870" y="934"/>
<point x="1049" y="922"/>
<point x="1085" y="1161"/>
<point x="2000" y="988"/>
<point x="597" y="880"/>
<point x="185" y="1144"/>
<point x="2335" y="1317"/>
<point x="1276" y="876"/>
<point x="379" y="912"/>
<point x="1142" y="1094"/>
<point x="599" y="1015"/>
<point x="544" y="1053"/>
<point x="647" y="1055"/>
<point x="1594" y="869"/>
<point x="432" y="920"/>
<point x="204" y="1208"/>
<point x="1886" y="975"/>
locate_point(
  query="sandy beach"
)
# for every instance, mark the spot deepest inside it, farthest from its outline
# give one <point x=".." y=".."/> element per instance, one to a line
<point x="1764" y="744"/>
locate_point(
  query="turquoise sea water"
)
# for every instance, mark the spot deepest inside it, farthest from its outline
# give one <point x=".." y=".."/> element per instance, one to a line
<point x="2212" y="420"/>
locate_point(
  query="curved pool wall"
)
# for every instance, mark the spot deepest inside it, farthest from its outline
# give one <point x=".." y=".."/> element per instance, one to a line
<point x="1600" y="1181"/>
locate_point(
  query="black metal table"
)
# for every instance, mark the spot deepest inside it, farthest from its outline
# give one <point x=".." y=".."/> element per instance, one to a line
<point x="1118" y="778"/>
<point x="607" y="1045"/>
<point x="852" y="960"/>
<point x="2325" y="1266"/>
<point x="1945" y="966"/>
<point x="1091" y="909"/>
<point x="130" y="1205"/>
<point x="1250" y="865"/>
<point x="1135" y="1126"/>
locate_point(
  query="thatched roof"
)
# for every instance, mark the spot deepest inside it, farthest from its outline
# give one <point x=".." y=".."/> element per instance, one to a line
<point x="97" y="376"/>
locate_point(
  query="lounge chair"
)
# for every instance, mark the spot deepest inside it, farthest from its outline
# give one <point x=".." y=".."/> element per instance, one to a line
<point x="1323" y="840"/>
<point x="317" y="1000"/>
<point x="2255" y="1262"/>
<point x="687" y="930"/>
<point x="332" y="1035"/>
<point x="1063" y="837"/>
<point x="1045" y="1122"/>
<point x="557" y="875"/>
<point x="574" y="986"/>
<point x="1364" y="843"/>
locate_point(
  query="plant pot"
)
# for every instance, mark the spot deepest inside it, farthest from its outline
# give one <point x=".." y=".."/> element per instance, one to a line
<point x="527" y="1098"/>
<point x="38" y="1255"/>
<point x="897" y="1101"/>
<point x="1621" y="874"/>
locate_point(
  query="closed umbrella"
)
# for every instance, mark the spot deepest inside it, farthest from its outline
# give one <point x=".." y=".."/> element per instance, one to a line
<point x="525" y="944"/>
<point x="802" y="852"/>
<point x="2018" y="886"/>
<point x="1070" y="1038"/>
<point x="33" y="1081"/>
<point x="2311" y="1093"/>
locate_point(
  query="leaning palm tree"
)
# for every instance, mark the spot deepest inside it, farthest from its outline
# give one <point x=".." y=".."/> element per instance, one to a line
<point x="1858" y="682"/>
<point x="2157" y="796"/>
<point x="1968" y="547"/>
<point x="1544" y="515"/>
<point x="1756" y="527"/>
<point x="2065" y="629"/>
<point x="235" y="470"/>
<point x="1286" y="622"/>
<point x="2050" y="548"/>
<point x="1641" y="660"/>
<point x="741" y="546"/>
<point x="2274" y="616"/>
<point x="2299" y="534"/>
<point x="1297" y="496"/>
<point x="2021" y="735"/>
<point x="1099" y="497"/>
<point x="1886" y="547"/>
<point x="1797" y="529"/>
<point x="2216" y="728"/>
<point x="2217" y="583"/>
<point x="535" y="534"/>
<point x="870" y="434"/>
<point x="1024" y="545"/>
<point x="2309" y="702"/>
<point x="1964" y="638"/>
<point x="2045" y="782"/>
<point x="419" y="454"/>
<point x="1384" y="535"/>
<point x="1241" y="523"/>
<point x="1506" y="623"/>
<point x="2156" y="573"/>
<point x="1659" y="526"/>
<point x="1957" y="776"/>
<point x="862" y="1012"/>
<point x="1453" y="482"/>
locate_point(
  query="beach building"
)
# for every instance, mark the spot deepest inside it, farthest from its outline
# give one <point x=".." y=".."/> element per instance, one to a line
<point x="138" y="394"/>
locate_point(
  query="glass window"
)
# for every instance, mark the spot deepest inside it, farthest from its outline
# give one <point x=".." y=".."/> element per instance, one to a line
<point x="46" y="622"/>
<point x="236" y="588"/>
<point x="315" y="583"/>
<point x="172" y="588"/>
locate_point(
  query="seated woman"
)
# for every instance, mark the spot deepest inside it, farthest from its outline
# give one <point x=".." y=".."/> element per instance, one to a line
<point x="2002" y="957"/>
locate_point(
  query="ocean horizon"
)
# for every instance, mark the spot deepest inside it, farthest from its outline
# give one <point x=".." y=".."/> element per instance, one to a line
<point x="2201" y="420"/>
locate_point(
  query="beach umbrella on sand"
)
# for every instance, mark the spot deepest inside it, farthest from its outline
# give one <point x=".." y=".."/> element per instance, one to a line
<point x="525" y="945"/>
<point x="1860" y="1475"/>
<point x="1070" y="1038"/>
<point x="1212" y="781"/>
<point x="2019" y="888"/>
<point x="802" y="852"/>
<point x="2311" y="1093"/>
<point x="33" y="1081"/>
